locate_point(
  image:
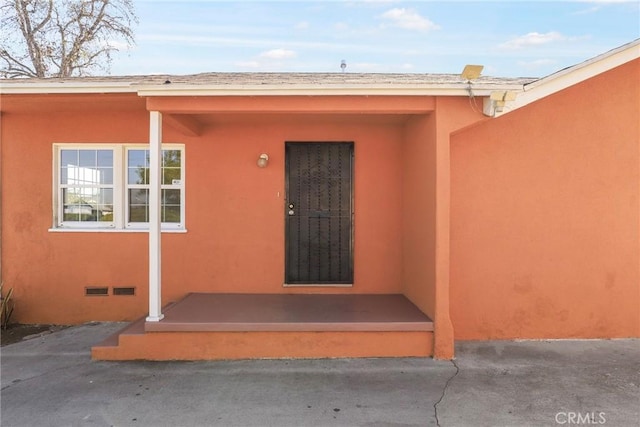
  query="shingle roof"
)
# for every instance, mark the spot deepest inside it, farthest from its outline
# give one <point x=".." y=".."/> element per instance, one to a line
<point x="327" y="83"/>
<point x="278" y="79"/>
<point x="322" y="79"/>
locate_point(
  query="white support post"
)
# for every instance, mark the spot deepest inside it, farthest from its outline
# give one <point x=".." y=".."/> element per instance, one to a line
<point x="155" y="259"/>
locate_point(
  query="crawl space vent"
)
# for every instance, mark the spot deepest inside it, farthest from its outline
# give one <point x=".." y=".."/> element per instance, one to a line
<point x="124" y="291"/>
<point x="95" y="291"/>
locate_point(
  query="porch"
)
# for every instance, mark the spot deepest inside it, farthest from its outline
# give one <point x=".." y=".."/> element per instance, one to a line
<point x="204" y="326"/>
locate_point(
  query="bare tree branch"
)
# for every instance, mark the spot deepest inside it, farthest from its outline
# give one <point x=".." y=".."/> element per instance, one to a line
<point x="47" y="38"/>
<point x="15" y="67"/>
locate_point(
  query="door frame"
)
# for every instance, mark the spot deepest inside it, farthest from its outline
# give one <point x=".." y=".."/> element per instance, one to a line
<point x="352" y="204"/>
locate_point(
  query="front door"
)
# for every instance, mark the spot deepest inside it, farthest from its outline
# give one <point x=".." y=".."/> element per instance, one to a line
<point x="319" y="213"/>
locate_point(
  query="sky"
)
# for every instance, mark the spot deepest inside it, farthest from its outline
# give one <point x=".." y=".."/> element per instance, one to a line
<point x="510" y="38"/>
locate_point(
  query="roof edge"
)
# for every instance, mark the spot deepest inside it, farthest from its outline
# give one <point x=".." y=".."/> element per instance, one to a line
<point x="42" y="88"/>
<point x="573" y="75"/>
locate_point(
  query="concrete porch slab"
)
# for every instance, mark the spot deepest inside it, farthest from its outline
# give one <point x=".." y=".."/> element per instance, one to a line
<point x="204" y="312"/>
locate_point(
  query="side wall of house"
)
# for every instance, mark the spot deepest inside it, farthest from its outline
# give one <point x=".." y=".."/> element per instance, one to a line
<point x="545" y="216"/>
<point x="234" y="212"/>
<point x="49" y="270"/>
<point x="419" y="220"/>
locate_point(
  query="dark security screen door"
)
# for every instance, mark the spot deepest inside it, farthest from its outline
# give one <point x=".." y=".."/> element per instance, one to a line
<point x="319" y="213"/>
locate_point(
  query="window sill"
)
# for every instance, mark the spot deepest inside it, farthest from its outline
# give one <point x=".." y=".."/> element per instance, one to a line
<point x="112" y="230"/>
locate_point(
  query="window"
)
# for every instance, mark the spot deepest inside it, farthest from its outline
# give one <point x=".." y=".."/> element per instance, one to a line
<point x="138" y="186"/>
<point x="86" y="186"/>
<point x="101" y="186"/>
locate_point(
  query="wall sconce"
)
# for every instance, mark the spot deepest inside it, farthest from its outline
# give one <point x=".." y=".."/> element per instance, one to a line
<point x="263" y="160"/>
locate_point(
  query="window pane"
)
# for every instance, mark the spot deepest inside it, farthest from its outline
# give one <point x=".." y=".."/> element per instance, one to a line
<point x="170" y="174"/>
<point x="63" y="175"/>
<point x="138" y="205"/>
<point x="170" y="205"/>
<point x="87" y="158"/>
<point x="77" y="205"/>
<point x="105" y="158"/>
<point x="171" y="214"/>
<point x="68" y="157"/>
<point x="105" y="205"/>
<point x="106" y="196"/>
<point x="138" y="196"/>
<point x="171" y="161"/>
<point x="105" y="213"/>
<point x="171" y="197"/>
<point x="79" y="167"/>
<point x="138" y="158"/>
<point x="73" y="195"/>
<point x="138" y="214"/>
<point x="105" y="176"/>
<point x="171" y="158"/>
<point x="82" y="176"/>
<point x="138" y="176"/>
<point x="138" y="167"/>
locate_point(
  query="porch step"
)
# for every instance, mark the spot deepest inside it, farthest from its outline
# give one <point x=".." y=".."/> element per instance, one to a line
<point x="232" y="326"/>
<point x="265" y="345"/>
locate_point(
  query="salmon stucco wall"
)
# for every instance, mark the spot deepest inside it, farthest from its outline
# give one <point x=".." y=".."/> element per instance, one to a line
<point x="545" y="216"/>
<point x="418" y="221"/>
<point x="234" y="210"/>
<point x="48" y="270"/>
<point x="426" y="210"/>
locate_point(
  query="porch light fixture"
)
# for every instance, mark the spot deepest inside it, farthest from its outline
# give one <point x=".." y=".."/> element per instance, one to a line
<point x="498" y="100"/>
<point x="263" y="160"/>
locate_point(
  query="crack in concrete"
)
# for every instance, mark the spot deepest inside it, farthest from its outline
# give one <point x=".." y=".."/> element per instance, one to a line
<point x="444" y="391"/>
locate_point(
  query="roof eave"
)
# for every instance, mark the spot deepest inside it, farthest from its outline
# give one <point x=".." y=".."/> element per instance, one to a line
<point x="43" y="88"/>
<point x="570" y="76"/>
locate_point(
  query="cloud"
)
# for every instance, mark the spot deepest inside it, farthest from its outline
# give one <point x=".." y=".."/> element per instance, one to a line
<point x="302" y="25"/>
<point x="533" y="39"/>
<point x="408" y="19"/>
<point x="278" y="54"/>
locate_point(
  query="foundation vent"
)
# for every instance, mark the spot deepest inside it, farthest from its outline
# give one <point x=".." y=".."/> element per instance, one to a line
<point x="96" y="291"/>
<point x="124" y="291"/>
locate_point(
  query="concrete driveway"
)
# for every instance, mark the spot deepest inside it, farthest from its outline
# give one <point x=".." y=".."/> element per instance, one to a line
<point x="51" y="381"/>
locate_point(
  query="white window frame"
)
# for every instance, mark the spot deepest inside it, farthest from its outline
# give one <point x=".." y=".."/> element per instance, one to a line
<point x="127" y="186"/>
<point x="120" y="187"/>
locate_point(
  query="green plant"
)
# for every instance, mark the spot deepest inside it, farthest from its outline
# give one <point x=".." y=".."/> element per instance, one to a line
<point x="6" y="307"/>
